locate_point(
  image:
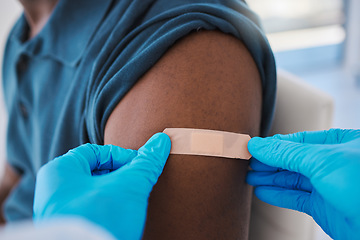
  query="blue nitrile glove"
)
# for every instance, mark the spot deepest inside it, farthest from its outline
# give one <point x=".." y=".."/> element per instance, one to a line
<point x="116" y="200"/>
<point x="313" y="172"/>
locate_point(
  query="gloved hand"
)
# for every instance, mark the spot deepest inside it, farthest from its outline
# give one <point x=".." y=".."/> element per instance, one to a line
<point x="116" y="200"/>
<point x="313" y="172"/>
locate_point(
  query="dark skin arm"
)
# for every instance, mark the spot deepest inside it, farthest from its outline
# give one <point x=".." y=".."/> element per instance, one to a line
<point x="207" y="80"/>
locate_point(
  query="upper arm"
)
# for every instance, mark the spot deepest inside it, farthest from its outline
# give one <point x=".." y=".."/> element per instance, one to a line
<point x="207" y="80"/>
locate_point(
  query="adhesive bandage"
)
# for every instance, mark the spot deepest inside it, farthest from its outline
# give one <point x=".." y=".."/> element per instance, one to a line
<point x="190" y="141"/>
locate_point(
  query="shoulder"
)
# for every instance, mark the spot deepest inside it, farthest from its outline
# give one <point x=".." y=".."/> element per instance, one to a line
<point x="209" y="49"/>
<point x="205" y="80"/>
<point x="168" y="42"/>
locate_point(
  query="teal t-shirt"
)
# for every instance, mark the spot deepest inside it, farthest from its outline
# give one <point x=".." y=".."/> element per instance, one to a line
<point x="61" y="86"/>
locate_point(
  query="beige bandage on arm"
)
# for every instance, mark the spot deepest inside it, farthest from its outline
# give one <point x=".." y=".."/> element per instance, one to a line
<point x="208" y="143"/>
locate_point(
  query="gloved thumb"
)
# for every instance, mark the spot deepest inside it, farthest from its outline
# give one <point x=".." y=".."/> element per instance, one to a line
<point x="297" y="157"/>
<point x="152" y="157"/>
<point x="90" y="157"/>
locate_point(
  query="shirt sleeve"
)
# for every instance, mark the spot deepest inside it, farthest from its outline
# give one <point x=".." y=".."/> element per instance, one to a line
<point x="132" y="50"/>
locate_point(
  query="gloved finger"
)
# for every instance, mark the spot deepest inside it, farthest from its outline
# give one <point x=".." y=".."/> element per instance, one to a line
<point x="297" y="157"/>
<point x="100" y="172"/>
<point x="91" y="157"/>
<point x="151" y="158"/>
<point x="332" y="136"/>
<point x="112" y="157"/>
<point x="259" y="166"/>
<point x="284" y="179"/>
<point x="280" y="197"/>
<point x="350" y="135"/>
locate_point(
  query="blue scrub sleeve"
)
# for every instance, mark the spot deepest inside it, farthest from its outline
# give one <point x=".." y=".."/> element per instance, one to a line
<point x="161" y="24"/>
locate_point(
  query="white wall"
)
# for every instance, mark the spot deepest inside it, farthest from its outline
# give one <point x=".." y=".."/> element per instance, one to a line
<point x="9" y="11"/>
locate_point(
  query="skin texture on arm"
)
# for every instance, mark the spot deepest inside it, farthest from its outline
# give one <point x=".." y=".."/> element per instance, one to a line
<point x="8" y="181"/>
<point x="207" y="80"/>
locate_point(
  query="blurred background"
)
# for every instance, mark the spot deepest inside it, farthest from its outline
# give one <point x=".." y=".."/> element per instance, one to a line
<point x="318" y="41"/>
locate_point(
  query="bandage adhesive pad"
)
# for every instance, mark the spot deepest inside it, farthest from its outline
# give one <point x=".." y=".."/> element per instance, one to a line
<point x="206" y="142"/>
